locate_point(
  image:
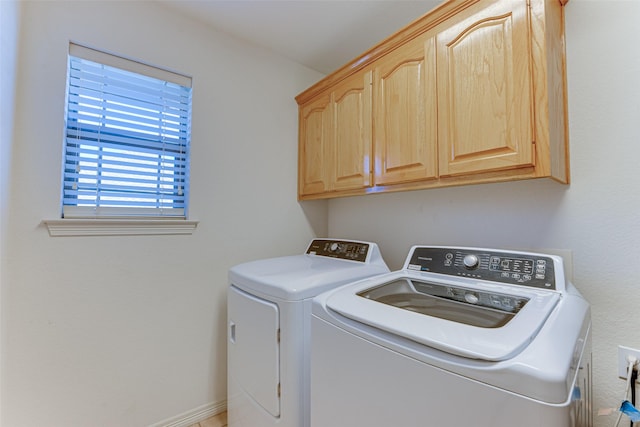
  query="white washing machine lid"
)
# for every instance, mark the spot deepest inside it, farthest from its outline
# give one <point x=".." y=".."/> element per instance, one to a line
<point x="451" y="336"/>
<point x="298" y="277"/>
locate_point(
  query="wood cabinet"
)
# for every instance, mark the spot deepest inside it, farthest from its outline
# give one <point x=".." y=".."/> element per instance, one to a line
<point x="351" y="144"/>
<point x="335" y="138"/>
<point x="472" y="92"/>
<point x="485" y="103"/>
<point x="405" y="114"/>
<point x="314" y="130"/>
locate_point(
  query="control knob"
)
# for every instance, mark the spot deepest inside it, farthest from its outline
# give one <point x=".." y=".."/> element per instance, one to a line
<point x="470" y="261"/>
<point x="334" y="247"/>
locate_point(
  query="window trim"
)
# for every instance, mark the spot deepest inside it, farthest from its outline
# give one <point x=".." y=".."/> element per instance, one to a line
<point x="122" y="225"/>
<point x="119" y="227"/>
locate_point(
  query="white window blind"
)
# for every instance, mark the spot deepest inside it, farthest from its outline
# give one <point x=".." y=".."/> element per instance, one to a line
<point x="127" y="138"/>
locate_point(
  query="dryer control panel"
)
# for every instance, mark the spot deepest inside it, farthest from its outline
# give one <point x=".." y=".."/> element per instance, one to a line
<point x="353" y="251"/>
<point x="516" y="268"/>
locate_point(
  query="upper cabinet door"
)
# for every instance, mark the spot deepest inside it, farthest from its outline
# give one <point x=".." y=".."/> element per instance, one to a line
<point x="485" y="105"/>
<point x="405" y="106"/>
<point x="315" y="136"/>
<point x="352" y="144"/>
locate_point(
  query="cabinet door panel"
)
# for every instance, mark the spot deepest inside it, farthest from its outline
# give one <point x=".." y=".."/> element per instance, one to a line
<point x="405" y="114"/>
<point x="352" y="133"/>
<point x="485" y="104"/>
<point x="315" y="135"/>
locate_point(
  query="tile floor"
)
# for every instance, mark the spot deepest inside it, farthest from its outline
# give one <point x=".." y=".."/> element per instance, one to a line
<point x="219" y="420"/>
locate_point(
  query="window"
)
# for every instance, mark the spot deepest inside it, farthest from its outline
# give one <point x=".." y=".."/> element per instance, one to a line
<point x="127" y="139"/>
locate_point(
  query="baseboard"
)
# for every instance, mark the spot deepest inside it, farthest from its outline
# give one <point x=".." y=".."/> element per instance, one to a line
<point x="194" y="416"/>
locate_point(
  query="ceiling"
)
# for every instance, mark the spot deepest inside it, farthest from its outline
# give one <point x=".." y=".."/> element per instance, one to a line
<point x="320" y="34"/>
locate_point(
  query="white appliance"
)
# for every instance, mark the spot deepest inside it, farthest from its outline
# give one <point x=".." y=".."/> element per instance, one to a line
<point x="458" y="337"/>
<point x="269" y="316"/>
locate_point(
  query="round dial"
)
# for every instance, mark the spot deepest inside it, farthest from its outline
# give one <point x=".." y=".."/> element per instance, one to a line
<point x="470" y="261"/>
<point x="334" y="247"/>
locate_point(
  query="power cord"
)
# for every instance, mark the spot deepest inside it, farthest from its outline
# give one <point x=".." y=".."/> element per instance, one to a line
<point x="631" y="363"/>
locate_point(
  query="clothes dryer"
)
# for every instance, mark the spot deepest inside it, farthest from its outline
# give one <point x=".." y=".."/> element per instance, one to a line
<point x="459" y="336"/>
<point x="269" y="316"/>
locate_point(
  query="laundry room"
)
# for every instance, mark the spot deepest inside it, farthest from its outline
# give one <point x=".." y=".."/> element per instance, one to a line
<point x="108" y="323"/>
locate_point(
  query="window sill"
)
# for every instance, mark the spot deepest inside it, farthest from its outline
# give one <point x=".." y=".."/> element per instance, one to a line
<point x="119" y="227"/>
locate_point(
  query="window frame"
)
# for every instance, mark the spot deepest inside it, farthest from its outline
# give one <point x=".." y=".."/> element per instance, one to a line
<point x="99" y="220"/>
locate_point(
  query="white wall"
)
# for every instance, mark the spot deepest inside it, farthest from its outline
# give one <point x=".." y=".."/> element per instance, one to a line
<point x="596" y="216"/>
<point x="130" y="331"/>
<point x="9" y="27"/>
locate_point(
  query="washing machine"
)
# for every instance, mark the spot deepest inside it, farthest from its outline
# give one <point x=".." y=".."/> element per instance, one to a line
<point x="269" y="316"/>
<point x="458" y="337"/>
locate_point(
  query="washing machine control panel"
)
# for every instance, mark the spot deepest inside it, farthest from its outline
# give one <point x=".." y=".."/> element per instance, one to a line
<point x="353" y="251"/>
<point x="526" y="269"/>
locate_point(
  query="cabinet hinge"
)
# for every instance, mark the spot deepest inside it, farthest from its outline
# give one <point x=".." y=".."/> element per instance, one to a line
<point x="278" y="389"/>
<point x="278" y="336"/>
